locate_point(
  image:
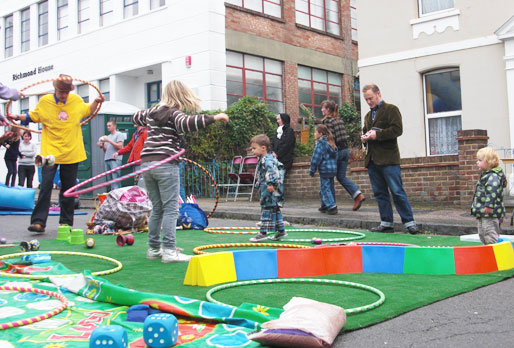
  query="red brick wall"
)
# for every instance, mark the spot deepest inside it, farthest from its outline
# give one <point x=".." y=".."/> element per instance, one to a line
<point x="427" y="180"/>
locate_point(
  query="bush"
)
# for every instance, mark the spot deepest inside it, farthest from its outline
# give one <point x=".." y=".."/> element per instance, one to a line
<point x="352" y="122"/>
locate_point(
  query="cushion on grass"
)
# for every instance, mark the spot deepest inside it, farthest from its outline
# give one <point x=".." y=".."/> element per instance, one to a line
<point x="17" y="198"/>
<point x="305" y="323"/>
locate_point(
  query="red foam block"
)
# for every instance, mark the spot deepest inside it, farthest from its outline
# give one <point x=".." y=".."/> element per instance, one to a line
<point x="300" y="262"/>
<point x="343" y="259"/>
<point x="474" y="259"/>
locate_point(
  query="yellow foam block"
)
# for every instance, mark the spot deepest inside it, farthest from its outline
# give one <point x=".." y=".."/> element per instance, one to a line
<point x="210" y="269"/>
<point x="504" y="254"/>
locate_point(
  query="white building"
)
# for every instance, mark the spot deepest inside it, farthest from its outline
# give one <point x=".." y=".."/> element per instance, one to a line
<point x="447" y="64"/>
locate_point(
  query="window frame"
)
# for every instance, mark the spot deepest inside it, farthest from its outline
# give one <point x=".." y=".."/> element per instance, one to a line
<point x="312" y="105"/>
<point x="132" y="6"/>
<point x="149" y="85"/>
<point x="244" y="69"/>
<point x="62" y="21"/>
<point x="25" y="29"/>
<point x="324" y="18"/>
<point x="272" y="2"/>
<point x="420" y="9"/>
<point x="156" y="4"/>
<point x="83" y="24"/>
<point x="106" y="17"/>
<point x="435" y="115"/>
<point x="101" y="85"/>
<point x="42" y="33"/>
<point x="9" y="50"/>
<point x="353" y="20"/>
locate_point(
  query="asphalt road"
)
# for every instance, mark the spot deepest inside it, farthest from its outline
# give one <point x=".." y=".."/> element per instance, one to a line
<point x="480" y="318"/>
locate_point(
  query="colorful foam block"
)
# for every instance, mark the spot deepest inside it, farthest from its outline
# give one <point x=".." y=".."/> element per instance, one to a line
<point x="426" y="260"/>
<point x="255" y="264"/>
<point x="382" y="258"/>
<point x="300" y="262"/>
<point x="475" y="259"/>
<point x="211" y="269"/>
<point x="342" y="259"/>
<point x="504" y="254"/>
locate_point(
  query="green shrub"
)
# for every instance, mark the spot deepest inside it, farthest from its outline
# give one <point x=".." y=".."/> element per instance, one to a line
<point x="352" y="123"/>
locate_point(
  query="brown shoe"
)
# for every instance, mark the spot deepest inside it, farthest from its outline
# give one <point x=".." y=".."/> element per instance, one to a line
<point x="36" y="228"/>
<point x="357" y="202"/>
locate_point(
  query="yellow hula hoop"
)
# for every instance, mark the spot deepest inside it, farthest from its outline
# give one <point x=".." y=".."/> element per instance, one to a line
<point x="198" y="249"/>
<point x="118" y="264"/>
<point x="51" y="80"/>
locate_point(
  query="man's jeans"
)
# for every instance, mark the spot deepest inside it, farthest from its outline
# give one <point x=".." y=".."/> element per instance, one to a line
<point x="385" y="179"/>
<point x="162" y="185"/>
<point x="111" y="164"/>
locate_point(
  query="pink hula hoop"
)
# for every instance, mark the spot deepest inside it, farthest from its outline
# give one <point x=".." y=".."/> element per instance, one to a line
<point x="39" y="317"/>
<point x="71" y="191"/>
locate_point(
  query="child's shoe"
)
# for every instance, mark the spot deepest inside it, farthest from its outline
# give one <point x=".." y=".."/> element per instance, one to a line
<point x="332" y="211"/>
<point x="153" y="254"/>
<point x="278" y="236"/>
<point x="174" y="255"/>
<point x="259" y="238"/>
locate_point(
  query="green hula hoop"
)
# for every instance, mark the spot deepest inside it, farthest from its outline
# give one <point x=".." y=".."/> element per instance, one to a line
<point x="349" y="311"/>
<point x="118" y="264"/>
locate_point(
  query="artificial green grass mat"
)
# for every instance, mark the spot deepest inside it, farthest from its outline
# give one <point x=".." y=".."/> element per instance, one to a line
<point x="403" y="292"/>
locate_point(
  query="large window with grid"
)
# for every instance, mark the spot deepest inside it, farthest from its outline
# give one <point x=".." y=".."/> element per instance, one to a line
<point x="443" y="110"/>
<point x="43" y="23"/>
<point x="431" y="6"/>
<point x="269" y="7"/>
<point x="315" y="86"/>
<point x="254" y="76"/>
<point x="106" y="12"/>
<point x="8" y="46"/>
<point x="153" y="93"/>
<point x="319" y="14"/>
<point x="83" y="16"/>
<point x="25" y="30"/>
<point x="157" y="3"/>
<point x="62" y="19"/>
<point x="353" y="18"/>
<point x="130" y="8"/>
<point x="105" y="88"/>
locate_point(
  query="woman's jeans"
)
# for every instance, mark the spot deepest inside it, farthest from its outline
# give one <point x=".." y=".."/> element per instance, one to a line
<point x="162" y="186"/>
<point x="385" y="179"/>
<point x="343" y="157"/>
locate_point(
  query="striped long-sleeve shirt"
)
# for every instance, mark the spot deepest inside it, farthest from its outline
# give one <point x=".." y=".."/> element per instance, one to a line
<point x="165" y="127"/>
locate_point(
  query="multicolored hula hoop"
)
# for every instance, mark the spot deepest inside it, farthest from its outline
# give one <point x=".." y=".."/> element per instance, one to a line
<point x="118" y="264"/>
<point x="64" y="78"/>
<point x="354" y="310"/>
<point x="254" y="230"/>
<point x="209" y="175"/>
<point x="198" y="249"/>
<point x="35" y="319"/>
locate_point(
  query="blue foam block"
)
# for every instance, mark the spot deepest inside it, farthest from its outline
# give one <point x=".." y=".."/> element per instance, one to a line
<point x="382" y="258"/>
<point x="17" y="198"/>
<point x="255" y="264"/>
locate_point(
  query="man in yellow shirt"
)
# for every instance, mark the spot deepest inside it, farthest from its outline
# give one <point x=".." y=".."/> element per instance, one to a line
<point x="60" y="115"/>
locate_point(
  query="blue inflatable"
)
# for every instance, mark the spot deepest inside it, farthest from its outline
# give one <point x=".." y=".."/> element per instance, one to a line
<point x="17" y="198"/>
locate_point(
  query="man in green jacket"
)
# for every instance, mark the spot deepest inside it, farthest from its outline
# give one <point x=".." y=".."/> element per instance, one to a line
<point x="382" y="127"/>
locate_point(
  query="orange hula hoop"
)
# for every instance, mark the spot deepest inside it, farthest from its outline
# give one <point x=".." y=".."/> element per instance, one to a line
<point x="65" y="78"/>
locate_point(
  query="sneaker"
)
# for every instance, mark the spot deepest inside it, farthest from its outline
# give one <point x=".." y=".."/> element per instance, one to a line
<point x="287" y="223"/>
<point x="413" y="229"/>
<point x="278" y="236"/>
<point x="258" y="224"/>
<point x="332" y="211"/>
<point x="322" y="209"/>
<point x="153" y="254"/>
<point x="259" y="238"/>
<point x="174" y="255"/>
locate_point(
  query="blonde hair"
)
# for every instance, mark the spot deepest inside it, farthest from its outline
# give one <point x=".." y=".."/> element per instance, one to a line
<point x="489" y="155"/>
<point x="176" y="94"/>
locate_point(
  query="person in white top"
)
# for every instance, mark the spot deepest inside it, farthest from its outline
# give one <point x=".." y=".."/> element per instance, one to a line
<point x="26" y="164"/>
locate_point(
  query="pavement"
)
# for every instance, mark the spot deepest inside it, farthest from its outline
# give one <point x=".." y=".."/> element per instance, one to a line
<point x="479" y="318"/>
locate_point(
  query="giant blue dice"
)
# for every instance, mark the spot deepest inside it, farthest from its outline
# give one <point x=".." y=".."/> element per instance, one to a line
<point x="160" y="330"/>
<point x="111" y="336"/>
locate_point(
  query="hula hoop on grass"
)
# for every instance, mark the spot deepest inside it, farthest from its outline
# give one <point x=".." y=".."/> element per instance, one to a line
<point x="229" y="230"/>
<point x="360" y="309"/>
<point x="198" y="249"/>
<point x="118" y="264"/>
<point x="35" y="319"/>
<point x="71" y="193"/>
<point x="90" y="117"/>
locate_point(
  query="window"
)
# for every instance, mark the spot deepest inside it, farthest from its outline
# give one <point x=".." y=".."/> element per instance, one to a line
<point x="105" y="88"/>
<point x="62" y="19"/>
<point x="157" y="3"/>
<point x="8" y="36"/>
<point x="269" y="7"/>
<point x="153" y="92"/>
<point x="106" y="13"/>
<point x="43" y="23"/>
<point x="24" y="105"/>
<point x="353" y="16"/>
<point x="254" y="76"/>
<point x="429" y="6"/>
<point x="315" y="85"/>
<point x="357" y="94"/>
<point x="83" y="16"/>
<point x="443" y="109"/>
<point x="83" y="92"/>
<point x="319" y="14"/>
<point x="130" y="8"/>
<point x="25" y="30"/>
